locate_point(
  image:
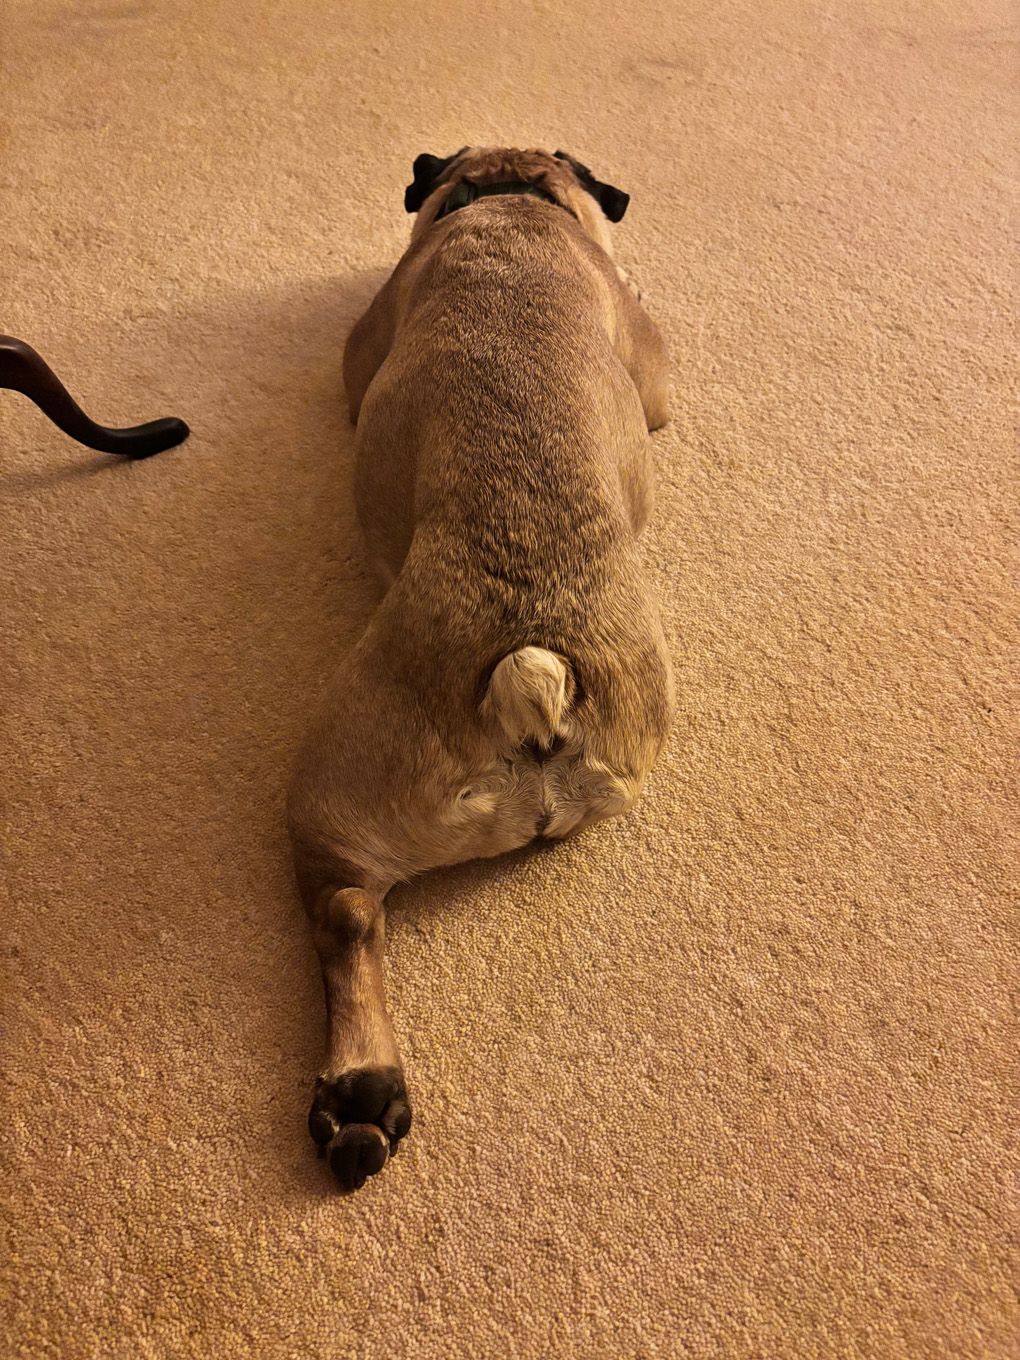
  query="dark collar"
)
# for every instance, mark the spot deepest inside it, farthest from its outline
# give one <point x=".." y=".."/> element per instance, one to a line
<point x="462" y="194"/>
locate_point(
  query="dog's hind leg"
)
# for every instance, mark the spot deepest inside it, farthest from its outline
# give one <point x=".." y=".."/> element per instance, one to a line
<point x="360" y="1110"/>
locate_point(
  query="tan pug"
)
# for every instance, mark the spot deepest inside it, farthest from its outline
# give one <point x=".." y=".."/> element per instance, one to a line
<point x="514" y="681"/>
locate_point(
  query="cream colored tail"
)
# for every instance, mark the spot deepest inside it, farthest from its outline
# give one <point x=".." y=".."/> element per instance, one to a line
<point x="529" y="696"/>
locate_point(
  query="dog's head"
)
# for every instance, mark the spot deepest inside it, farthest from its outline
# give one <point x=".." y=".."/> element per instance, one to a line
<point x="564" y="178"/>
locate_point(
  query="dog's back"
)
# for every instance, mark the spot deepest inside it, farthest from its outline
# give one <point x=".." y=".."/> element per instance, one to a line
<point x="503" y="416"/>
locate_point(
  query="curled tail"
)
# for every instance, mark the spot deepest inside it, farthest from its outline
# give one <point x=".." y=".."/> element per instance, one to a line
<point x="529" y="696"/>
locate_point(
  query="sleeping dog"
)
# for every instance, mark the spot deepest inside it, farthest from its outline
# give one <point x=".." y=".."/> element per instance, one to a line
<point x="514" y="681"/>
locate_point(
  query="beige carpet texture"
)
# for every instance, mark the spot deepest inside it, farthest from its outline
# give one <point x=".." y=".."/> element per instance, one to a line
<point x="732" y="1078"/>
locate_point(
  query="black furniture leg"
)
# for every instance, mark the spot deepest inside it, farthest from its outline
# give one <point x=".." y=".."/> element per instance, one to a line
<point x="22" y="370"/>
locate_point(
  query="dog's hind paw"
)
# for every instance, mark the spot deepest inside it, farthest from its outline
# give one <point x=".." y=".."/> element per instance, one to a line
<point x="358" y="1119"/>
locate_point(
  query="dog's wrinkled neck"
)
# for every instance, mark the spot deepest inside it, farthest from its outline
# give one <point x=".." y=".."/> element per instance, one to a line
<point x="464" y="193"/>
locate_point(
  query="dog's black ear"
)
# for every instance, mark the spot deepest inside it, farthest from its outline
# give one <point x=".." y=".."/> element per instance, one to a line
<point x="612" y="201"/>
<point x="427" y="170"/>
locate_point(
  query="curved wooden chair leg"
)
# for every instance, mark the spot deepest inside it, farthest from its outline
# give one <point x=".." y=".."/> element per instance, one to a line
<point x="22" y="370"/>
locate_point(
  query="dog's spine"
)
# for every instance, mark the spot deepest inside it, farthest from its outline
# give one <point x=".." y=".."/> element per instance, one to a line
<point x="529" y="696"/>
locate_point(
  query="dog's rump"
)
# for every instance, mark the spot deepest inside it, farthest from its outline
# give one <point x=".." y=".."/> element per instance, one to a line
<point x="530" y="701"/>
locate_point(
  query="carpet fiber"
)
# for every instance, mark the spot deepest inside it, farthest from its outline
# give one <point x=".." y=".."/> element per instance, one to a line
<point x="733" y="1077"/>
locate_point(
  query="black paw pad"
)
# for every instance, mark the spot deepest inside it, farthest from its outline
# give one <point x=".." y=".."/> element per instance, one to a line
<point x="322" y="1126"/>
<point x="359" y="1152"/>
<point x="359" y="1118"/>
